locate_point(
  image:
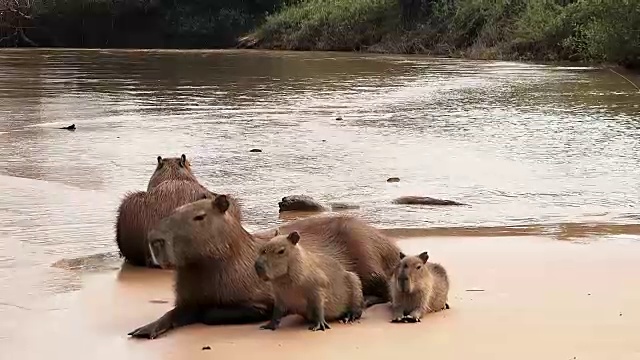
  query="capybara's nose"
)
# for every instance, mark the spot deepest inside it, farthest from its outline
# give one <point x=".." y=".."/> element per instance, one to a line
<point x="403" y="282"/>
<point x="156" y="243"/>
<point x="260" y="269"/>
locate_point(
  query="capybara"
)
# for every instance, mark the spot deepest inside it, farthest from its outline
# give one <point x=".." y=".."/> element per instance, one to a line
<point x="418" y="287"/>
<point x="161" y="244"/>
<point x="373" y="255"/>
<point x="216" y="280"/>
<point x="172" y="185"/>
<point x="169" y="169"/>
<point x="310" y="281"/>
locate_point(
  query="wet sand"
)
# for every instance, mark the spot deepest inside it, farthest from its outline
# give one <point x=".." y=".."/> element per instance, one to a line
<point x="541" y="299"/>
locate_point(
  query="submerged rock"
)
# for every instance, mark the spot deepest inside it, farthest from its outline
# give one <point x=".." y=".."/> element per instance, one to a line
<point x="425" y="200"/>
<point x="299" y="203"/>
<point x="393" y="179"/>
<point x="344" y="206"/>
<point x="255" y="150"/>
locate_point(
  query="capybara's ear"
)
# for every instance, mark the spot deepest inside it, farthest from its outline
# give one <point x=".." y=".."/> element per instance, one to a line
<point x="221" y="203"/>
<point x="208" y="195"/>
<point x="402" y="255"/>
<point x="183" y="160"/>
<point x="293" y="237"/>
<point x="159" y="159"/>
<point x="424" y="257"/>
<point x="276" y="233"/>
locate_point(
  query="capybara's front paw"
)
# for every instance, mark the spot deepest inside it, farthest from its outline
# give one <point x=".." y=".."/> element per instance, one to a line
<point x="412" y="319"/>
<point x="320" y="325"/>
<point x="150" y="331"/>
<point x="398" y="319"/>
<point x="271" y="325"/>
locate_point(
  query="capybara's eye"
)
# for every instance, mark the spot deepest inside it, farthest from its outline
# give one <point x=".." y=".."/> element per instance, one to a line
<point x="419" y="267"/>
<point x="199" y="218"/>
<point x="281" y="252"/>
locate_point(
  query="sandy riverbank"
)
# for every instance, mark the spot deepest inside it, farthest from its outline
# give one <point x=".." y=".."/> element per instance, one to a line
<point x="542" y="299"/>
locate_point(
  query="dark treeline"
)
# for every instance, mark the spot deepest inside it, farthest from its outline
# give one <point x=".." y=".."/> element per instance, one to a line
<point x="130" y="23"/>
<point x="576" y="30"/>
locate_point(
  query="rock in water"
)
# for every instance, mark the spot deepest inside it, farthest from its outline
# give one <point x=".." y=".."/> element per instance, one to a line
<point x="425" y="200"/>
<point x="299" y="203"/>
<point x="344" y="206"/>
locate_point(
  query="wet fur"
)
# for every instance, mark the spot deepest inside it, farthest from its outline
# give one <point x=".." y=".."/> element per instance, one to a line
<point x="216" y="282"/>
<point x="309" y="279"/>
<point x="426" y="289"/>
<point x="170" y="186"/>
<point x="140" y="211"/>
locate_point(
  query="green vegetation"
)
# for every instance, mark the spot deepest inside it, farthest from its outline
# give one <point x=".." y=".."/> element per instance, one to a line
<point x="586" y="30"/>
<point x="577" y="30"/>
<point x="330" y="24"/>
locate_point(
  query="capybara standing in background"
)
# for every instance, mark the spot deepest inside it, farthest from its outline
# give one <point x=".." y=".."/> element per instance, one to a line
<point x="216" y="280"/>
<point x="309" y="280"/>
<point x="172" y="184"/>
<point x="418" y="287"/>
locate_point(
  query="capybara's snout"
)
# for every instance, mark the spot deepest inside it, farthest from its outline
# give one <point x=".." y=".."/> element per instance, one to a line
<point x="261" y="269"/>
<point x="403" y="282"/>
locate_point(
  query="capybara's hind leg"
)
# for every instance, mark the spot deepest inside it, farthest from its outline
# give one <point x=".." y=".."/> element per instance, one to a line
<point x="230" y="315"/>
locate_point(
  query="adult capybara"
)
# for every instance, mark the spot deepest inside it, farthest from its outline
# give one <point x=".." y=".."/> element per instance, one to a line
<point x="309" y="280"/>
<point x="418" y="287"/>
<point x="162" y="249"/>
<point x="172" y="185"/>
<point x="216" y="281"/>
<point x="171" y="169"/>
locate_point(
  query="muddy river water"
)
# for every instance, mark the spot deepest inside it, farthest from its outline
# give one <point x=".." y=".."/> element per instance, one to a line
<point x="533" y="149"/>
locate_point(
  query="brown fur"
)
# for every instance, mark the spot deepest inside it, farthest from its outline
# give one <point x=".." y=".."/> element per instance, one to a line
<point x="171" y="169"/>
<point x="372" y="255"/>
<point x="216" y="282"/>
<point x="172" y="185"/>
<point x="309" y="280"/>
<point x="214" y="257"/>
<point x="418" y="287"/>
